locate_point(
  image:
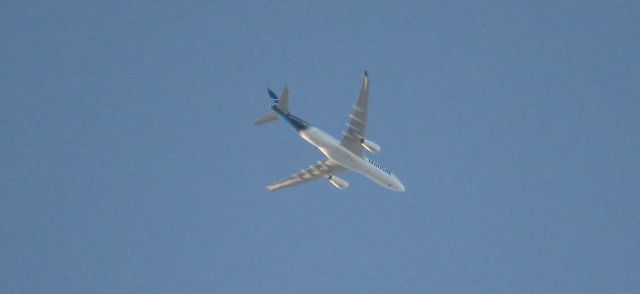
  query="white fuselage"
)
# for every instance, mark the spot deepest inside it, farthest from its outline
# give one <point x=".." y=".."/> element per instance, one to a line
<point x="331" y="148"/>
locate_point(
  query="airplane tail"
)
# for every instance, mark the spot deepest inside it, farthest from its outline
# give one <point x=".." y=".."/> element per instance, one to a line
<point x="269" y="117"/>
<point x="281" y="104"/>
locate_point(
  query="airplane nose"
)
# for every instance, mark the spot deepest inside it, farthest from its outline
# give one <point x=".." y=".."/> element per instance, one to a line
<point x="398" y="186"/>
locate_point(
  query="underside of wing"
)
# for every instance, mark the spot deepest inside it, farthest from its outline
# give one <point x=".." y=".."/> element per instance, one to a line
<point x="357" y="124"/>
<point x="322" y="169"/>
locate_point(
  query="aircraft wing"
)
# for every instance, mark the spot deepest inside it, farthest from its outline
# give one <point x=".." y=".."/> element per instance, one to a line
<point x="357" y="125"/>
<point x="322" y="169"/>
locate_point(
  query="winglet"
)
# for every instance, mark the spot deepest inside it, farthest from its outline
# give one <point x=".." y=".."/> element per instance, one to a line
<point x="366" y="74"/>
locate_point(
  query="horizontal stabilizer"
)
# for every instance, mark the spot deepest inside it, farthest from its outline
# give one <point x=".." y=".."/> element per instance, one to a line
<point x="271" y="116"/>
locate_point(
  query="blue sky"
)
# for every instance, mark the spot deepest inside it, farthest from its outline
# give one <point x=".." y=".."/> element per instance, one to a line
<point x="130" y="163"/>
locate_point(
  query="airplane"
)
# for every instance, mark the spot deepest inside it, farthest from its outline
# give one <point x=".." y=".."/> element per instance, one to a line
<point x="343" y="155"/>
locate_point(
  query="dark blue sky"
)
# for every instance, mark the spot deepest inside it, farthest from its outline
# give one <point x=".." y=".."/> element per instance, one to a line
<point x="130" y="163"/>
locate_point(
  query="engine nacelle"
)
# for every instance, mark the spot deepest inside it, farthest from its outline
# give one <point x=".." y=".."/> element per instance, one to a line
<point x="370" y="146"/>
<point x="338" y="182"/>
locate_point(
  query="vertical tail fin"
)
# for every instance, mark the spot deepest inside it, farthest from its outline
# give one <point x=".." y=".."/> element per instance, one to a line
<point x="282" y="103"/>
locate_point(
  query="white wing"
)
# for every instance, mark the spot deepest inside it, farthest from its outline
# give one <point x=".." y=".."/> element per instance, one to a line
<point x="358" y="123"/>
<point x="322" y="169"/>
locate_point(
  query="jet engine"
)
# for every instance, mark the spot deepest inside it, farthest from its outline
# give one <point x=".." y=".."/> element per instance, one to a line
<point x="370" y="146"/>
<point x="338" y="182"/>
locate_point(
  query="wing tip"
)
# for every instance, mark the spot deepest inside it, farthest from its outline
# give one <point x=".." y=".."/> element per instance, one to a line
<point x="366" y="74"/>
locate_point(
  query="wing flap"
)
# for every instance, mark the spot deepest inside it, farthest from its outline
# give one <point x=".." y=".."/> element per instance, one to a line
<point x="321" y="169"/>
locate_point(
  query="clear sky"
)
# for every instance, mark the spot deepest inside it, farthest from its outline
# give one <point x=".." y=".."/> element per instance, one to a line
<point x="129" y="162"/>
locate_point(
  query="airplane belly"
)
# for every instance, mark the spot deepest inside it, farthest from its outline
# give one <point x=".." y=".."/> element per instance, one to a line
<point x="318" y="138"/>
<point x="331" y="148"/>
